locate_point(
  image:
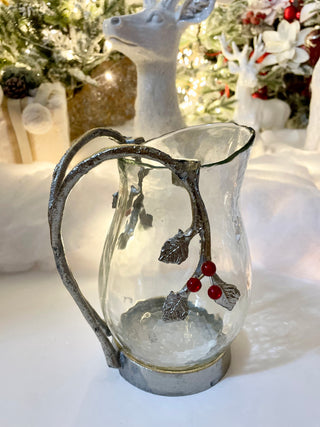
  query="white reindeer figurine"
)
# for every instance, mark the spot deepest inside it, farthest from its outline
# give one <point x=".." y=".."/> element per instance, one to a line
<point x="257" y="113"/>
<point x="151" y="39"/>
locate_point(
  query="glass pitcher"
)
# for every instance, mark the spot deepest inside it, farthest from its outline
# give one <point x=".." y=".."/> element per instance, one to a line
<point x="175" y="276"/>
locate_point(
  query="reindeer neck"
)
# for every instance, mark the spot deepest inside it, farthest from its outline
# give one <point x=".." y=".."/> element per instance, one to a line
<point x="243" y="92"/>
<point x="157" y="108"/>
<point x="246" y="108"/>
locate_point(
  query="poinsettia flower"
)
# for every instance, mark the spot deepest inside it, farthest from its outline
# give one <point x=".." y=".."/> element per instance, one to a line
<point x="284" y="45"/>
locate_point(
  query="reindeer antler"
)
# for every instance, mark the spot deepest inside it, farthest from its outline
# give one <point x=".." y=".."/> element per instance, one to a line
<point x="169" y="4"/>
<point x="235" y="55"/>
<point x="258" y="49"/>
<point x="148" y="4"/>
<point x="224" y="47"/>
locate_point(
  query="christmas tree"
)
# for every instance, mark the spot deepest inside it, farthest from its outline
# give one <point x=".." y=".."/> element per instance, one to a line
<point x="55" y="40"/>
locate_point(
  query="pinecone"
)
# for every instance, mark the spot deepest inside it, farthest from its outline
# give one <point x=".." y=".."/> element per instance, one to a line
<point x="17" y="81"/>
<point x="15" y="87"/>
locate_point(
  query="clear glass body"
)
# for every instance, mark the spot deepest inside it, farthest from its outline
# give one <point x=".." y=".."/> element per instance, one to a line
<point x="134" y="283"/>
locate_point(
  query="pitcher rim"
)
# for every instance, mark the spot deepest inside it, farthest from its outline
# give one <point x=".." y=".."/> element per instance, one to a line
<point x="228" y="159"/>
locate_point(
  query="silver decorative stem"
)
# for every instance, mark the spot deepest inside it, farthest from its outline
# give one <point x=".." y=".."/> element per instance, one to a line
<point x="186" y="171"/>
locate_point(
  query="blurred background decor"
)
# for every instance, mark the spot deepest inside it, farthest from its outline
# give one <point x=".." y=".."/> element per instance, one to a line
<point x="62" y="41"/>
<point x="290" y="30"/>
<point x="59" y="77"/>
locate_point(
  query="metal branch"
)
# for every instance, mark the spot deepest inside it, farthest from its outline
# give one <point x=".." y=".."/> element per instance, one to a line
<point x="186" y="171"/>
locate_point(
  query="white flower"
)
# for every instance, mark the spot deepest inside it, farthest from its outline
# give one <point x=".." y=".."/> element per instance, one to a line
<point x="308" y="11"/>
<point x="283" y="45"/>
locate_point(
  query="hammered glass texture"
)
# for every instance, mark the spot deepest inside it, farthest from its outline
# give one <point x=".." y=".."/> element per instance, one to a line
<point x="133" y="283"/>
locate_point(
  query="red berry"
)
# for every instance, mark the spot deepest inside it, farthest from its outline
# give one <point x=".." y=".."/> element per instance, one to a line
<point x="261" y="58"/>
<point x="249" y="14"/>
<point x="214" y="292"/>
<point x="194" y="284"/>
<point x="289" y="13"/>
<point x="298" y="14"/>
<point x="246" y="21"/>
<point x="255" y="20"/>
<point x="261" y="93"/>
<point x="261" y="15"/>
<point x="208" y="268"/>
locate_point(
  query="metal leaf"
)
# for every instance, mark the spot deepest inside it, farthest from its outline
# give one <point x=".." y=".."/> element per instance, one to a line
<point x="175" y="307"/>
<point x="115" y="198"/>
<point x="176" y="181"/>
<point x="193" y="7"/>
<point x="145" y="219"/>
<point x="176" y="249"/>
<point x="230" y="293"/>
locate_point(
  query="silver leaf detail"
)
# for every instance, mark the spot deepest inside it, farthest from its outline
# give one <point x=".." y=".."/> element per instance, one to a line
<point x="192" y="7"/>
<point x="176" y="249"/>
<point x="115" y="197"/>
<point x="230" y="293"/>
<point x="175" y="307"/>
<point x="145" y="219"/>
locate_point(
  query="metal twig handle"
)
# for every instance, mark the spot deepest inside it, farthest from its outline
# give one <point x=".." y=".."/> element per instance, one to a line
<point x="62" y="184"/>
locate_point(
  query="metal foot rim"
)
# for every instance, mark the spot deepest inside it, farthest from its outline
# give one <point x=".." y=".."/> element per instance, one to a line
<point x="174" y="383"/>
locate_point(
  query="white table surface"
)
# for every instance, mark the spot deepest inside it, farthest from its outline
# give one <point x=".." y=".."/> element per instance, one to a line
<point x="53" y="372"/>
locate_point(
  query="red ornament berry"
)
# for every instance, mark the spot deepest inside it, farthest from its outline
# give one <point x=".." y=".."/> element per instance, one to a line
<point x="249" y="14"/>
<point x="227" y="91"/>
<point x="289" y="13"/>
<point x="208" y="268"/>
<point x="261" y="93"/>
<point x="298" y="14"/>
<point x="255" y="20"/>
<point x="261" y="15"/>
<point x="261" y="58"/>
<point x="194" y="284"/>
<point x="214" y="292"/>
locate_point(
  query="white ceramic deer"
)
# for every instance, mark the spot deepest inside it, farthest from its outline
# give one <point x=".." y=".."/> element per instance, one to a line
<point x="257" y="113"/>
<point x="313" y="134"/>
<point x="151" y="39"/>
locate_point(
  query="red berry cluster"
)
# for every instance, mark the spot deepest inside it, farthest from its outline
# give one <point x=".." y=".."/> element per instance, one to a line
<point x="208" y="268"/>
<point x="293" y="11"/>
<point x="254" y="19"/>
<point x="261" y="93"/>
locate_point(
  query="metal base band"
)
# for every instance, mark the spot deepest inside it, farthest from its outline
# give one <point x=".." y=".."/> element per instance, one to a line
<point x="174" y="383"/>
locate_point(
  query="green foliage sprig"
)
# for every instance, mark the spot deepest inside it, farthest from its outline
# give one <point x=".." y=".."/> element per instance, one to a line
<point x="59" y="40"/>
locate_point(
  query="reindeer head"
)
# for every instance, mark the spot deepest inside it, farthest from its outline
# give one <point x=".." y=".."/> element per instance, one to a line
<point x="246" y="68"/>
<point x="154" y="33"/>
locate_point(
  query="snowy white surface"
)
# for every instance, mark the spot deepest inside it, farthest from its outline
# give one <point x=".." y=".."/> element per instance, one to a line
<point x="53" y="372"/>
<point x="280" y="206"/>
